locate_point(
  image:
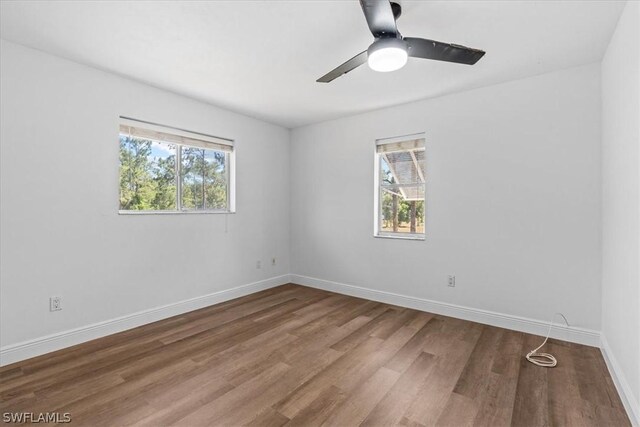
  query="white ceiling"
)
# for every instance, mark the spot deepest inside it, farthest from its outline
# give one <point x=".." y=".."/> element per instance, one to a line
<point x="262" y="58"/>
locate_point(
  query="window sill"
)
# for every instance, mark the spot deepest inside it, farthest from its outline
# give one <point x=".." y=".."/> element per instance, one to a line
<point x="194" y="212"/>
<point x="400" y="237"/>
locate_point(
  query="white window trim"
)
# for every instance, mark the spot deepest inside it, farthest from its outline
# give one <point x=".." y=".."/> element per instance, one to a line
<point x="377" y="233"/>
<point x="230" y="160"/>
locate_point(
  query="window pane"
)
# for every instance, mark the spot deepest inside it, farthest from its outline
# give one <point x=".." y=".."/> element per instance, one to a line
<point x="403" y="167"/>
<point x="402" y="209"/>
<point x="147" y="174"/>
<point x="204" y="179"/>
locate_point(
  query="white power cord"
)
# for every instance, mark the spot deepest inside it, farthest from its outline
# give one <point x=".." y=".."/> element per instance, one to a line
<point x="545" y="360"/>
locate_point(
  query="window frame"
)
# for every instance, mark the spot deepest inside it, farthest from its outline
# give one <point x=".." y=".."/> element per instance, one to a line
<point x="377" y="214"/>
<point x="229" y="169"/>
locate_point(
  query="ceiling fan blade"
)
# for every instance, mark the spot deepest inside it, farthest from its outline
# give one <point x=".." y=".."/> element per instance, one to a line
<point x="379" y="16"/>
<point x="354" y="62"/>
<point x="431" y="49"/>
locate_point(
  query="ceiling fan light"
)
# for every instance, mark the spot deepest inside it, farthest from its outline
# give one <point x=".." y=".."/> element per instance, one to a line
<point x="386" y="55"/>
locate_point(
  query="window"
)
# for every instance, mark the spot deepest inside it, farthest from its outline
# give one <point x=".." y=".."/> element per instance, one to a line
<point x="169" y="170"/>
<point x="400" y="187"/>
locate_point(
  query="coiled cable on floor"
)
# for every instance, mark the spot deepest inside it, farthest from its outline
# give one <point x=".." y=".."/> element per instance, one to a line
<point x="545" y="360"/>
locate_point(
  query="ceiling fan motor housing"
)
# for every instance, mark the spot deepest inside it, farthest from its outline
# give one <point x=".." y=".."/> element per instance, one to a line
<point x="386" y="43"/>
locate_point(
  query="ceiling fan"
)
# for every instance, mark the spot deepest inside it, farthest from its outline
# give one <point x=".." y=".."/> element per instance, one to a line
<point x="390" y="50"/>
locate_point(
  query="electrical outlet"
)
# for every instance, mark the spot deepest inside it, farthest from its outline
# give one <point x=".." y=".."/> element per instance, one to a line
<point x="258" y="264"/>
<point x="452" y="281"/>
<point x="55" y="304"/>
<point x="273" y="261"/>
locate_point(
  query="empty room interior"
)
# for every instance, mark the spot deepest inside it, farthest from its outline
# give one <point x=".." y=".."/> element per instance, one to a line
<point x="338" y="213"/>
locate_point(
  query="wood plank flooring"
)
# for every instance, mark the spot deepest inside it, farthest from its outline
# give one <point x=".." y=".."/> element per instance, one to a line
<point x="293" y="355"/>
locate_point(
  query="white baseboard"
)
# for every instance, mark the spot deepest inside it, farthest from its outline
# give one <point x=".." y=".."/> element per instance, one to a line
<point x="630" y="402"/>
<point x="27" y="349"/>
<point x="573" y="334"/>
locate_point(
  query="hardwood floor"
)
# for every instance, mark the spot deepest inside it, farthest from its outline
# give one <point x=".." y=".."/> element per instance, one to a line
<point x="299" y="356"/>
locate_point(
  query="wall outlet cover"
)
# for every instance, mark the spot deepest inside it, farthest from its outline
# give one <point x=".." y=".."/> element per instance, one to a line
<point x="452" y="281"/>
<point x="55" y="304"/>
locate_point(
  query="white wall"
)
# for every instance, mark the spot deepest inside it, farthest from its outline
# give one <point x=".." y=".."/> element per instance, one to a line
<point x="621" y="202"/>
<point x="513" y="203"/>
<point x="61" y="232"/>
